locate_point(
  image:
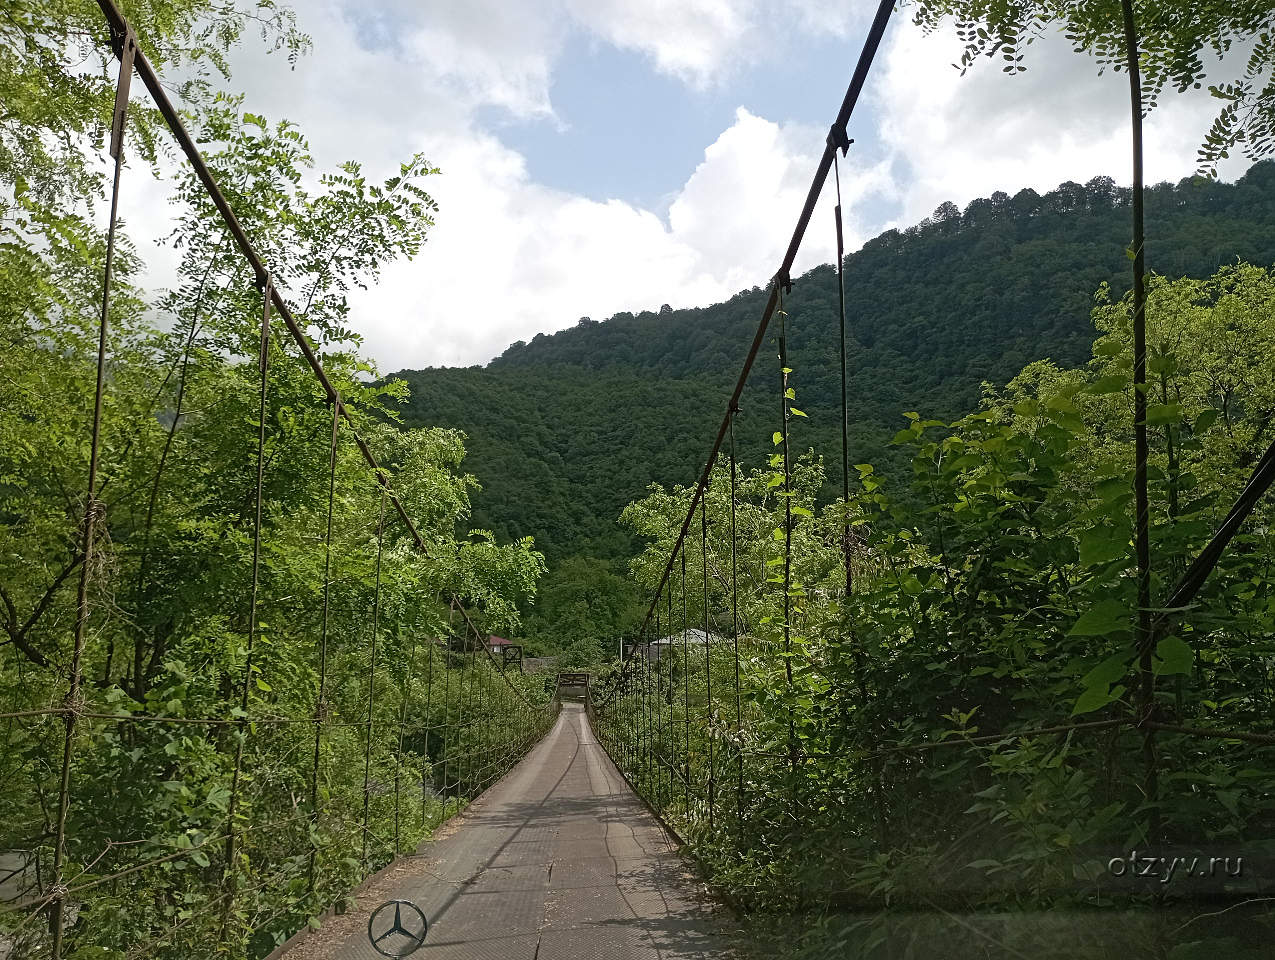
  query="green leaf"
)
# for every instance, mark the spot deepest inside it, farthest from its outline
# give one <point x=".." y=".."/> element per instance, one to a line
<point x="1108" y="672"/>
<point x="1111" y="383"/>
<point x="1102" y="619"/>
<point x="1173" y="655"/>
<point x="1027" y="408"/>
<point x="1099" y="545"/>
<point x="1060" y="402"/>
<point x="1095" y="698"/>
<point x="1162" y="413"/>
<point x="1205" y="420"/>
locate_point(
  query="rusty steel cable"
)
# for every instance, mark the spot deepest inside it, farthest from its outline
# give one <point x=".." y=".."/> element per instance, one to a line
<point x="668" y="724"/>
<point x="734" y="612"/>
<point x="1144" y="634"/>
<point x="843" y="145"/>
<point x="708" y="663"/>
<point x="787" y="494"/>
<point x="321" y="704"/>
<point x="126" y="48"/>
<point x="686" y="686"/>
<point x="402" y="730"/>
<point x="371" y="675"/>
<point x="659" y="716"/>
<point x="263" y="368"/>
<point x="650" y="711"/>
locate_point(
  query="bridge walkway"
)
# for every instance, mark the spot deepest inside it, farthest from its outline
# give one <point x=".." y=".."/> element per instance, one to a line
<point x="558" y="861"/>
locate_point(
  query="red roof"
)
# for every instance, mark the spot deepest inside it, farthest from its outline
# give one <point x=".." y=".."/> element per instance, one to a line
<point x="495" y="641"/>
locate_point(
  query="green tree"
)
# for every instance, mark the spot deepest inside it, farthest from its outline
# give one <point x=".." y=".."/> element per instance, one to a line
<point x="57" y="81"/>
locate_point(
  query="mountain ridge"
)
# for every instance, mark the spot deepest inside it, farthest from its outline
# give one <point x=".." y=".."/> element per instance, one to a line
<point x="566" y="429"/>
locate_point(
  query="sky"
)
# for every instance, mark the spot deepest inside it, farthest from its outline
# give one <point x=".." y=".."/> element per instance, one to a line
<point x="607" y="155"/>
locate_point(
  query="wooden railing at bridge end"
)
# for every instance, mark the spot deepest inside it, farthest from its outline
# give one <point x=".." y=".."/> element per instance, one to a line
<point x="575" y="681"/>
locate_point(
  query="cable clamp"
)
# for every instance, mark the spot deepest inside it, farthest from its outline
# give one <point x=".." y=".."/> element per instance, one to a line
<point x="838" y="139"/>
<point x="125" y="51"/>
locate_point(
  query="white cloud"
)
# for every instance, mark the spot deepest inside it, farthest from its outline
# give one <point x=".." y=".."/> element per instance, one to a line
<point x="511" y="258"/>
<point x="739" y="208"/>
<point x="691" y="39"/>
<point x="966" y="137"/>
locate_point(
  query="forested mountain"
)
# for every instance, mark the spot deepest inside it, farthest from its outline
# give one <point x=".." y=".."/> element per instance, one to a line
<point x="564" y="431"/>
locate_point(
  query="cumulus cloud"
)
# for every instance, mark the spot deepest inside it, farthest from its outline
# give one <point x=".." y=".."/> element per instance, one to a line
<point x="960" y="138"/>
<point x="515" y="258"/>
<point x="687" y="38"/>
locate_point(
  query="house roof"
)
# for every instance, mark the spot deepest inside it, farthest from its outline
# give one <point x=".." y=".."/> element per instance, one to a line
<point x="495" y="641"/>
<point x="688" y="636"/>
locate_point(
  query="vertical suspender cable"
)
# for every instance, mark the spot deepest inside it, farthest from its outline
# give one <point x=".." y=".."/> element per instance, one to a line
<point x="734" y="618"/>
<point x="126" y="48"/>
<point x="1142" y="518"/>
<point x="321" y="704"/>
<point x="650" y="718"/>
<point x="474" y="705"/>
<point x="263" y="366"/>
<point x="686" y="691"/>
<point x="462" y="719"/>
<point x="626" y="715"/>
<point x="661" y="739"/>
<point x="845" y="407"/>
<point x="787" y="495"/>
<point x="427" y="765"/>
<point x="402" y="730"/>
<point x="669" y="735"/>
<point x="708" y="662"/>
<point x="465" y="759"/>
<point x="447" y="715"/>
<point x="371" y="677"/>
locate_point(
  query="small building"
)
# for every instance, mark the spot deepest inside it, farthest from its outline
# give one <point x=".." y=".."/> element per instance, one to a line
<point x="505" y="651"/>
<point x="672" y="645"/>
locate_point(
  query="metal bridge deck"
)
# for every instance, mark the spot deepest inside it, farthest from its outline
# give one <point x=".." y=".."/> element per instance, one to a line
<point x="558" y="861"/>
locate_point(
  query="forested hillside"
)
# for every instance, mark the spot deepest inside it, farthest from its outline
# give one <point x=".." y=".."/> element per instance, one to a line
<point x="564" y="431"/>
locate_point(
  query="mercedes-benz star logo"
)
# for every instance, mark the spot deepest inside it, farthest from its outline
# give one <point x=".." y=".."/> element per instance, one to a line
<point x="397" y="939"/>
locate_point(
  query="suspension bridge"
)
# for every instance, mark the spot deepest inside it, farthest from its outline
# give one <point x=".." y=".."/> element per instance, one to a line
<point x="520" y="824"/>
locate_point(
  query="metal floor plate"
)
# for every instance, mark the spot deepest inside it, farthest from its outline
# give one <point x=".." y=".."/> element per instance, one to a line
<point x="557" y="861"/>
